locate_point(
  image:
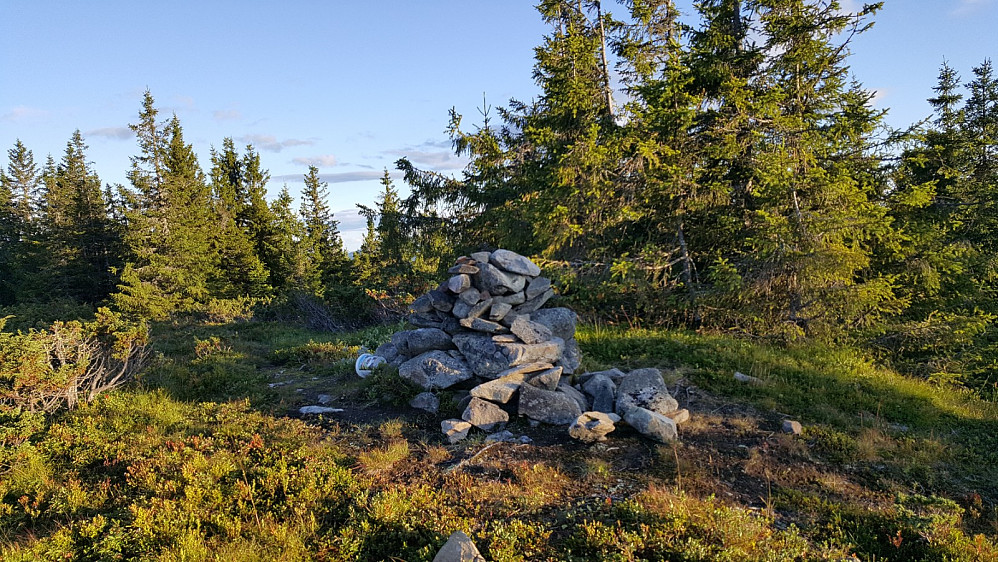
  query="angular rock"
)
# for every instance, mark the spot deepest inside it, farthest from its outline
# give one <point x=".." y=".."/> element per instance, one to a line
<point x="499" y="282"/>
<point x="388" y="351"/>
<point x="484" y="414"/>
<point x="458" y="548"/>
<point x="461" y="308"/>
<point x="537" y="286"/>
<point x="511" y="299"/>
<point x="592" y="426"/>
<point x="482" y="325"/>
<point x="603" y="391"/>
<point x="514" y="263"/>
<point x="652" y="424"/>
<point x="479" y="309"/>
<point x="425" y="320"/>
<point x="571" y="356"/>
<point x="435" y="369"/>
<point x="548" y="380"/>
<point x="426" y="401"/>
<point x="481" y="257"/>
<point x="525" y="369"/>
<point x="505" y="338"/>
<point x="499" y="311"/>
<point x="455" y="430"/>
<point x="464" y="268"/>
<point x="422" y="304"/>
<point x="425" y="339"/>
<point x="529" y="331"/>
<point x="561" y="321"/>
<point x="575" y="394"/>
<point x="458" y="283"/>
<point x="680" y="416"/>
<point x="451" y="325"/>
<point x="470" y="296"/>
<point x="520" y="353"/>
<point x="535" y="303"/>
<point x="555" y="408"/>
<point x="441" y="300"/>
<point x="499" y="390"/>
<point x="644" y="388"/>
<point x="511" y="317"/>
<point x="615" y="374"/>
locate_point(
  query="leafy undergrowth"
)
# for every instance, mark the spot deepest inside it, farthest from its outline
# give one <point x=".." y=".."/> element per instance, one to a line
<point x="199" y="460"/>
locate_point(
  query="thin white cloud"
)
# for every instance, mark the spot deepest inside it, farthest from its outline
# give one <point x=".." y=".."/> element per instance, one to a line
<point x="113" y="133"/>
<point x="966" y="7"/>
<point x="324" y="161"/>
<point x="879" y="95"/>
<point x="22" y="113"/>
<point x="434" y="154"/>
<point x="270" y="143"/>
<point x="227" y="115"/>
<point x="342" y="177"/>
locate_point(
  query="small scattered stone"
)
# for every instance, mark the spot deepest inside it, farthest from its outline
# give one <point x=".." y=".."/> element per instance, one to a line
<point x="455" y="430"/>
<point x="324" y="399"/>
<point x="652" y="424"/>
<point x="792" y="427"/>
<point x="316" y="410"/>
<point x="592" y="426"/>
<point x="680" y="416"/>
<point x="504" y="436"/>
<point x="426" y="401"/>
<point x="458" y="548"/>
<point x="484" y="414"/>
<point x="742" y="377"/>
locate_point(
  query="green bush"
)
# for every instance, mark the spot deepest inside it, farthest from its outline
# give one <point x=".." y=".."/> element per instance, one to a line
<point x="68" y="363"/>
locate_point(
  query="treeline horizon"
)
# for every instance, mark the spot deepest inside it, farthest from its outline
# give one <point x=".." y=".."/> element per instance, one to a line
<point x="739" y="180"/>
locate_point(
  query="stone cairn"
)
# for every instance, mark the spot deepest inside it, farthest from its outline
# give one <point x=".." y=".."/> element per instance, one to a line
<point x="485" y="330"/>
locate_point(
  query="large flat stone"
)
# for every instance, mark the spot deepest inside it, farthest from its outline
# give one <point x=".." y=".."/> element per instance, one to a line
<point x="546" y="406"/>
<point x="652" y="424"/>
<point x="499" y="282"/>
<point x="514" y="263"/>
<point x="500" y="390"/>
<point x="484" y="414"/>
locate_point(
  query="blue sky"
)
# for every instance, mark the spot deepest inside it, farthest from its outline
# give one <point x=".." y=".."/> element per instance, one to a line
<point x="351" y="86"/>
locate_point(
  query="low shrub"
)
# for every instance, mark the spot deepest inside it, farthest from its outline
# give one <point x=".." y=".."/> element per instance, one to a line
<point x="68" y="363"/>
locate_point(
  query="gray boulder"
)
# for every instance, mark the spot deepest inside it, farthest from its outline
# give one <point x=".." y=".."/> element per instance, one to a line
<point x="425" y="320"/>
<point x="556" y="408"/>
<point x="575" y="394"/>
<point x="499" y="310"/>
<point x="458" y="283"/>
<point x="422" y="304"/>
<point x="441" y="300"/>
<point x="483" y="325"/>
<point x="519" y="353"/>
<point x="426" y="401"/>
<point x="482" y="354"/>
<point x="603" y="391"/>
<point x="652" y="424"/>
<point x="470" y="296"/>
<point x="435" y="369"/>
<point x="592" y="426"/>
<point x="484" y="414"/>
<point x="615" y="374"/>
<point x="389" y="352"/>
<point x="481" y="257"/>
<point x="644" y="388"/>
<point x="571" y="356"/>
<point x="511" y="299"/>
<point x="458" y="548"/>
<point x="530" y="331"/>
<point x="561" y="321"/>
<point x="426" y="339"/>
<point x="537" y="286"/>
<point x="514" y="263"/>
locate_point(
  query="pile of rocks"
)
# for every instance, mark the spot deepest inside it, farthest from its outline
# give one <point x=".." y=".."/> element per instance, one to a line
<point x="484" y="331"/>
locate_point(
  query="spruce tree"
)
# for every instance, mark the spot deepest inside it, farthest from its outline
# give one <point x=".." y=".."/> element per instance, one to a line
<point x="20" y="192"/>
<point x="322" y="236"/>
